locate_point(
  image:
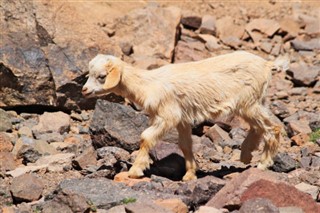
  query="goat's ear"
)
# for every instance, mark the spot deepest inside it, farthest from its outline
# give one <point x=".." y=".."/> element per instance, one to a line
<point x="113" y="77"/>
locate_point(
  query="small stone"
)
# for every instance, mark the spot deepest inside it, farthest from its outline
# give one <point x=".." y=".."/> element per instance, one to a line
<point x="126" y="48"/>
<point x="5" y="124"/>
<point x="208" y="209"/>
<point x="191" y="22"/>
<point x="7" y="162"/>
<point x="208" y="25"/>
<point x="302" y="74"/>
<point x="5" y="143"/>
<point x="123" y="177"/>
<point x="27" y="187"/>
<point x="313" y="44"/>
<point x="300" y="138"/>
<point x="309" y="189"/>
<point x="283" y="163"/>
<point x="299" y="126"/>
<point x="266" y="47"/>
<point x="276" y="49"/>
<point x="52" y="122"/>
<point x="232" y="41"/>
<point x="76" y="116"/>
<point x="305" y="162"/>
<point x="289" y="26"/>
<point x="212" y="43"/>
<point x="261" y="205"/>
<point x="145" y="207"/>
<point x="88" y="157"/>
<point x="174" y="205"/>
<point x="290" y="209"/>
<point x="28" y="154"/>
<point x="265" y="26"/>
<point x="118" y="153"/>
<point x="25" y="131"/>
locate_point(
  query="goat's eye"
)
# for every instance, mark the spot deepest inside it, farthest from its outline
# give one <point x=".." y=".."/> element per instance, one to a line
<point x="101" y="77"/>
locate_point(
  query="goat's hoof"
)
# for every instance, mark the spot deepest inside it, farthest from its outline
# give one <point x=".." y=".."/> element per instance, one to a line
<point x="189" y="176"/>
<point x="246" y="159"/>
<point x="265" y="165"/>
<point x="135" y="172"/>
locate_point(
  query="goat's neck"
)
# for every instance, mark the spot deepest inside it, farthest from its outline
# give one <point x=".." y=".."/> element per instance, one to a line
<point x="133" y="85"/>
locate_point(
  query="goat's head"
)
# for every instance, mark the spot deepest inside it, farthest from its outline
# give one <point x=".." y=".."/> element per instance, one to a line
<point x="104" y="75"/>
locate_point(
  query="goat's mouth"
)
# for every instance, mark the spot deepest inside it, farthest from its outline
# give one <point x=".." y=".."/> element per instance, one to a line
<point x="93" y="94"/>
<point x="88" y="94"/>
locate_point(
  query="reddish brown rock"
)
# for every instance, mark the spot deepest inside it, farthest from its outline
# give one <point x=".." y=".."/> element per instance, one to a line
<point x="300" y="139"/>
<point x="175" y="205"/>
<point x="281" y="195"/>
<point x="5" y="143"/>
<point x="7" y="162"/>
<point x="123" y="177"/>
<point x="87" y="158"/>
<point x="230" y="194"/>
<point x="27" y="187"/>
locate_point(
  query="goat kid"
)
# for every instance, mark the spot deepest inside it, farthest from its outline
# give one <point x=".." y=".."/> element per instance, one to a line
<point x="178" y="95"/>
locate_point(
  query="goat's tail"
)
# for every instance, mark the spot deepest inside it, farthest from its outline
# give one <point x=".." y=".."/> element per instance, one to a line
<point x="281" y="63"/>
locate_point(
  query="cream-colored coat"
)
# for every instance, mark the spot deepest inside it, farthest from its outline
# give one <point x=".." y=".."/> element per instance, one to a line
<point x="178" y="95"/>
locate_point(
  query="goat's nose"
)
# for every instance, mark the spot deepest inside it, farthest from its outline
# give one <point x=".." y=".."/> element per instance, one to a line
<point x="84" y="89"/>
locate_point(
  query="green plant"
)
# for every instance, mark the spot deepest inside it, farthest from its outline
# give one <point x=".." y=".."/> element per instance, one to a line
<point x="315" y="135"/>
<point x="93" y="208"/>
<point x="128" y="200"/>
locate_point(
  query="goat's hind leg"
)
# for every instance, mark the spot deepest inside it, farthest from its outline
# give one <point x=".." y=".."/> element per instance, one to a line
<point x="149" y="138"/>
<point x="185" y="144"/>
<point x="261" y="126"/>
<point x="250" y="144"/>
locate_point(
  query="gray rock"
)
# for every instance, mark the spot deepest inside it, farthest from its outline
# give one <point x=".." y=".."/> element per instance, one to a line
<point x="27" y="187"/>
<point x="313" y="44"/>
<point x="258" y="205"/>
<point x="302" y="74"/>
<point x="5" y="124"/>
<point x="50" y="137"/>
<point x="118" y="153"/>
<point x="145" y="207"/>
<point x="283" y="163"/>
<point x="40" y="146"/>
<point x="116" y="125"/>
<point x="28" y="154"/>
<point x="104" y="193"/>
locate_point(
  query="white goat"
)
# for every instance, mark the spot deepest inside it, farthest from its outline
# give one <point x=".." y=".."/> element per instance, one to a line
<point x="178" y="95"/>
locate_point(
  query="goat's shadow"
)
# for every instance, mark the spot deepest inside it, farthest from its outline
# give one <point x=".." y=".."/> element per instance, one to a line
<point x="173" y="168"/>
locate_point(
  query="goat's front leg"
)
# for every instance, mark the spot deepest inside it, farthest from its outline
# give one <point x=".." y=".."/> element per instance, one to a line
<point x="185" y="144"/>
<point x="149" y="139"/>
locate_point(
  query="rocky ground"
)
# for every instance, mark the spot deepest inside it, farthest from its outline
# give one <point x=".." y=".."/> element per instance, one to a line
<point x="60" y="152"/>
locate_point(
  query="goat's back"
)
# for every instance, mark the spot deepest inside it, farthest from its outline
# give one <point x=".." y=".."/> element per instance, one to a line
<point x="214" y="86"/>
